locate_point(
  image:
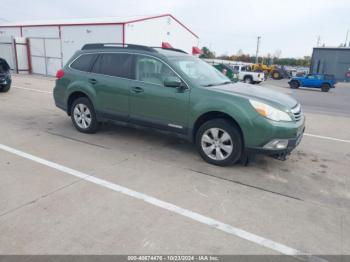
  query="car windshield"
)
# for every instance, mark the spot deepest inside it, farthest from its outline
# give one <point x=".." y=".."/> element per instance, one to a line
<point x="199" y="71"/>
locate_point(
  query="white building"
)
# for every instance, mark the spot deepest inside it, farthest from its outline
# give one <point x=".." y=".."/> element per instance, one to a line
<point x="43" y="47"/>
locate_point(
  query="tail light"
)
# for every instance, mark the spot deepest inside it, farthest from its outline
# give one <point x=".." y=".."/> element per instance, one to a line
<point x="60" y="74"/>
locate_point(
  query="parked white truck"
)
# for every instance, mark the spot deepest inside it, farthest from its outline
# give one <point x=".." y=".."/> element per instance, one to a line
<point x="246" y="74"/>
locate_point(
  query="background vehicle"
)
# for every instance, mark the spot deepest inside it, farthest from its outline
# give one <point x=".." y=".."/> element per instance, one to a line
<point x="169" y="89"/>
<point x="322" y="81"/>
<point x="247" y="75"/>
<point x="5" y="76"/>
<point x="273" y="71"/>
<point x="227" y="71"/>
<point x="241" y="71"/>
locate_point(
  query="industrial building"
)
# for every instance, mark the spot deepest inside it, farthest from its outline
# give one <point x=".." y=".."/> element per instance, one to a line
<point x="331" y="60"/>
<point x="43" y="47"/>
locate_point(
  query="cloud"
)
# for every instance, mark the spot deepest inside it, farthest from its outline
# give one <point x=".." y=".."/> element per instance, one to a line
<point x="226" y="26"/>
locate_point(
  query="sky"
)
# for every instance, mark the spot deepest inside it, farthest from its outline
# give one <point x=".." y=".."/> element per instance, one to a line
<point x="291" y="26"/>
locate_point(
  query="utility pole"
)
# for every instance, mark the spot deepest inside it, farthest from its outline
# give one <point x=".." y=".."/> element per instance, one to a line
<point x="257" y="50"/>
<point x="318" y="41"/>
<point x="346" y="38"/>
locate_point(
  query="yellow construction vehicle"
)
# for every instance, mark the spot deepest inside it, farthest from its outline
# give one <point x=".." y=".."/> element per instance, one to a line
<point x="272" y="71"/>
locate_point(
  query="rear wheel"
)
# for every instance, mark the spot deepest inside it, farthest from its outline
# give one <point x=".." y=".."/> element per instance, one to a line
<point x="325" y="87"/>
<point x="219" y="142"/>
<point x="248" y="80"/>
<point x="83" y="116"/>
<point x="276" y="75"/>
<point x="294" y="84"/>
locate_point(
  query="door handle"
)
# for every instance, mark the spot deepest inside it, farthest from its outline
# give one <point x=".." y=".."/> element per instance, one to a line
<point x="137" y="89"/>
<point x="93" y="81"/>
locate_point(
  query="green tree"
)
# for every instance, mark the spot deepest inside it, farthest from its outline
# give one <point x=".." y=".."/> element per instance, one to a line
<point x="206" y="53"/>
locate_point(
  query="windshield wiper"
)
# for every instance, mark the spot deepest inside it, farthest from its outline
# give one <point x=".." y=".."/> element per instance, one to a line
<point x="218" y="84"/>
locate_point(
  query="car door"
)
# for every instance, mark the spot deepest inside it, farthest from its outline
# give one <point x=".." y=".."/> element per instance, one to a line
<point x="151" y="102"/>
<point x="111" y="79"/>
<point x="317" y="81"/>
<point x="308" y="80"/>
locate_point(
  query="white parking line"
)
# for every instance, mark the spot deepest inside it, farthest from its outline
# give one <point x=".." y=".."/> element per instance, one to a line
<point x="32" y="89"/>
<point x="213" y="223"/>
<point x="328" y="138"/>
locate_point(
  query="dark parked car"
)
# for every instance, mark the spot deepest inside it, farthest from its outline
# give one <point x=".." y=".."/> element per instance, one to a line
<point x="5" y="76"/>
<point x="322" y="81"/>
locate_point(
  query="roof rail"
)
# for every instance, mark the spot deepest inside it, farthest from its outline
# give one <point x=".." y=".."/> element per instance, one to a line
<point x="171" y="49"/>
<point x="116" y="45"/>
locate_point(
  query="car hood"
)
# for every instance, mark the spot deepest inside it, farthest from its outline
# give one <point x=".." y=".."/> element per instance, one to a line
<point x="297" y="78"/>
<point x="260" y="93"/>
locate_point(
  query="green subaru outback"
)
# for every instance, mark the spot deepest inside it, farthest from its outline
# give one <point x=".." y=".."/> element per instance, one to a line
<point x="169" y="89"/>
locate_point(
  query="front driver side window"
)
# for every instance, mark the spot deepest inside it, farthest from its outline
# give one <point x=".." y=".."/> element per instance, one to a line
<point x="152" y="71"/>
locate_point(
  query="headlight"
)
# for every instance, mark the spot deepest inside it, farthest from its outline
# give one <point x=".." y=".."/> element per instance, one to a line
<point x="269" y="111"/>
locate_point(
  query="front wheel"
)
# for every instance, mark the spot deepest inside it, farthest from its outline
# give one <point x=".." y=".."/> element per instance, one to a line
<point x="294" y="84"/>
<point x="83" y="116"/>
<point x="5" y="88"/>
<point x="248" y="80"/>
<point x="219" y="142"/>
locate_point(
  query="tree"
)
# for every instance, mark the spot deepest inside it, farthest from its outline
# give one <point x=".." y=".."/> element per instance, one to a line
<point x="206" y="53"/>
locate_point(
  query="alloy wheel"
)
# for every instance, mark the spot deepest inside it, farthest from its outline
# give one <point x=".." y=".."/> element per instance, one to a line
<point x="217" y="144"/>
<point x="82" y="116"/>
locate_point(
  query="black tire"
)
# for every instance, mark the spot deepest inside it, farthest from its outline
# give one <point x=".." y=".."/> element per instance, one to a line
<point x="235" y="137"/>
<point x="294" y="84"/>
<point x="94" y="124"/>
<point x="5" y="88"/>
<point x="248" y="80"/>
<point x="276" y="75"/>
<point x="325" y="87"/>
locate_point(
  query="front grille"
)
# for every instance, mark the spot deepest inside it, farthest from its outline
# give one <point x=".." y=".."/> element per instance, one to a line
<point x="297" y="112"/>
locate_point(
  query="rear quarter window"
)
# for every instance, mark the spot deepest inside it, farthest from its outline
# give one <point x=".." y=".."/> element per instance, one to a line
<point x="114" y="64"/>
<point x="83" y="62"/>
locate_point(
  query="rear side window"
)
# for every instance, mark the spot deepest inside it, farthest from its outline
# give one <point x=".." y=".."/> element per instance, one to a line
<point x="118" y="65"/>
<point x="83" y="62"/>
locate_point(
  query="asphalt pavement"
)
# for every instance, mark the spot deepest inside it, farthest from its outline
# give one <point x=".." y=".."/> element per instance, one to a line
<point x="133" y="190"/>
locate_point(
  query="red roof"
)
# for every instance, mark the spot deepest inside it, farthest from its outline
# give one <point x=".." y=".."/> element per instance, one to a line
<point x="93" y="21"/>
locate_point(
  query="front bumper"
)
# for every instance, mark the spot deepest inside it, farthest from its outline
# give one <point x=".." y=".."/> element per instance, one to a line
<point x="280" y="154"/>
<point x="5" y="82"/>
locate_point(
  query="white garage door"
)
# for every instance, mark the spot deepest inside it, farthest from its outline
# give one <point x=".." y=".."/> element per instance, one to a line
<point x="46" y="55"/>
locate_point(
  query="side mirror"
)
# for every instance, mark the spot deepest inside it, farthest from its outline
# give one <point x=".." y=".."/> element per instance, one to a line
<point x="173" y="81"/>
